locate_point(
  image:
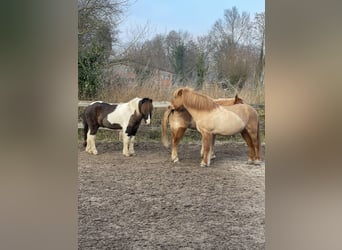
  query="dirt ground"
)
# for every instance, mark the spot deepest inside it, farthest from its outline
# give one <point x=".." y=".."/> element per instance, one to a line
<point x="147" y="202"/>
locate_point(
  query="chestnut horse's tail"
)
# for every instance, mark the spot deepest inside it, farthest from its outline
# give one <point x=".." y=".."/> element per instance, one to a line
<point x="85" y="129"/>
<point x="165" y="120"/>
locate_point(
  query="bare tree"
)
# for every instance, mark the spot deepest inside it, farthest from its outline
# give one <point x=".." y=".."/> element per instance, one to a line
<point x="97" y="27"/>
<point x="238" y="25"/>
<point x="98" y="16"/>
<point x="182" y="53"/>
<point x="234" y="29"/>
<point x="229" y="44"/>
<point x="259" y="28"/>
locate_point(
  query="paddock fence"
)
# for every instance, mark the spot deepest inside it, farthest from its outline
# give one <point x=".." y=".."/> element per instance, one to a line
<point x="153" y="131"/>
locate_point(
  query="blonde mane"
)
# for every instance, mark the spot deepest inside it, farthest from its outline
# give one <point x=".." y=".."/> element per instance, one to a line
<point x="198" y="101"/>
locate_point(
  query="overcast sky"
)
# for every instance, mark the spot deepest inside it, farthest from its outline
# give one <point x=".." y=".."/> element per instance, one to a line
<point x="194" y="16"/>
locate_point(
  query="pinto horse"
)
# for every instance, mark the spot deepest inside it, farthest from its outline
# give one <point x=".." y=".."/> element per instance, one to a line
<point x="181" y="120"/>
<point x="214" y="119"/>
<point x="125" y="116"/>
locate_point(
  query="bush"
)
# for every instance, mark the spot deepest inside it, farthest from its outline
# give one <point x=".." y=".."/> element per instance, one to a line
<point x="90" y="72"/>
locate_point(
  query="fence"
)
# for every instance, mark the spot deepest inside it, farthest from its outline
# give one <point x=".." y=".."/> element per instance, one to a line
<point x="153" y="130"/>
<point x="156" y="105"/>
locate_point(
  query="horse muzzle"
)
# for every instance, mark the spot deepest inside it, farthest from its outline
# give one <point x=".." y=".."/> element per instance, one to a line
<point x="148" y="120"/>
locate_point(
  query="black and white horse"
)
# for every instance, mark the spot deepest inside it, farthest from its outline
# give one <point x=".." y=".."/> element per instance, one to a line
<point x="126" y="116"/>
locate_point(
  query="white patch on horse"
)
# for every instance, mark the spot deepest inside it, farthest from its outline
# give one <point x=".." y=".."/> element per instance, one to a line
<point x="91" y="148"/>
<point x="131" y="146"/>
<point x="123" y="113"/>
<point x="148" y="121"/>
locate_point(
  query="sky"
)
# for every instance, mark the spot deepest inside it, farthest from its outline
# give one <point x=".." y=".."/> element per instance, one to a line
<point x="195" y="16"/>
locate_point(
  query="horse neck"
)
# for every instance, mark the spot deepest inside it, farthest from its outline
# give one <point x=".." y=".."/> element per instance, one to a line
<point x="195" y="113"/>
<point x="136" y="118"/>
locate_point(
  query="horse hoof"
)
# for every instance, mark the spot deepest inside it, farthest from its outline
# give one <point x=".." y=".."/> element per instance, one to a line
<point x="203" y="165"/>
<point x="250" y="162"/>
<point x="175" y="160"/>
<point x="257" y="162"/>
<point x="91" y="152"/>
<point x="212" y="157"/>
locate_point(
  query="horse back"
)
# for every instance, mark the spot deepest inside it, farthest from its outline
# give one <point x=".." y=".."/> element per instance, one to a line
<point x="225" y="101"/>
<point x="98" y="111"/>
<point x="246" y="112"/>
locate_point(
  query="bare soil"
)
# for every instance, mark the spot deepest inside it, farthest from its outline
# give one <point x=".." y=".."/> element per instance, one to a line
<point x="147" y="202"/>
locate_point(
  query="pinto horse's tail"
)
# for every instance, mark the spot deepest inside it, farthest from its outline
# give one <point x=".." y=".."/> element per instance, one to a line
<point x="165" y="120"/>
<point x="85" y="130"/>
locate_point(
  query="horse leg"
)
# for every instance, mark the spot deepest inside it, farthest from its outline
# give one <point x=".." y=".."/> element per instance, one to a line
<point x="125" y="140"/>
<point x="207" y="139"/>
<point x="131" y="145"/>
<point x="251" y="154"/>
<point x="85" y="130"/>
<point x="176" y="136"/>
<point x="91" y="148"/>
<point x="88" y="142"/>
<point x="213" y="156"/>
<point x="255" y="135"/>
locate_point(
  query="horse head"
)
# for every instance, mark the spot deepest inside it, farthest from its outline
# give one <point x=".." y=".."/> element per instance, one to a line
<point x="177" y="100"/>
<point x="188" y="98"/>
<point x="145" y="109"/>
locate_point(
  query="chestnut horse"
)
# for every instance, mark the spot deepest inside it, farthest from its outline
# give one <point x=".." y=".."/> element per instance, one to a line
<point x="212" y="118"/>
<point x="125" y="116"/>
<point x="181" y="120"/>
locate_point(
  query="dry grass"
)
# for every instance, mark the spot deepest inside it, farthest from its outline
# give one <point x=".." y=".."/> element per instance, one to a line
<point x="253" y="95"/>
<point x="123" y="93"/>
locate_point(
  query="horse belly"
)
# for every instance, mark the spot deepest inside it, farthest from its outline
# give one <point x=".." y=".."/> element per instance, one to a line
<point x="230" y="129"/>
<point x="120" y="115"/>
<point x="222" y="125"/>
<point x="230" y="125"/>
<point x="107" y="124"/>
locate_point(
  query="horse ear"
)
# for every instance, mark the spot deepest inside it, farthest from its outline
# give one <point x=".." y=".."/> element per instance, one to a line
<point x="146" y="99"/>
<point x="180" y="92"/>
<point x="238" y="99"/>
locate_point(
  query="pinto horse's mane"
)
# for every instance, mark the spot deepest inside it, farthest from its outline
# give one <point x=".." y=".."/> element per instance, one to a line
<point x="137" y="105"/>
<point x="134" y="103"/>
<point x="196" y="100"/>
